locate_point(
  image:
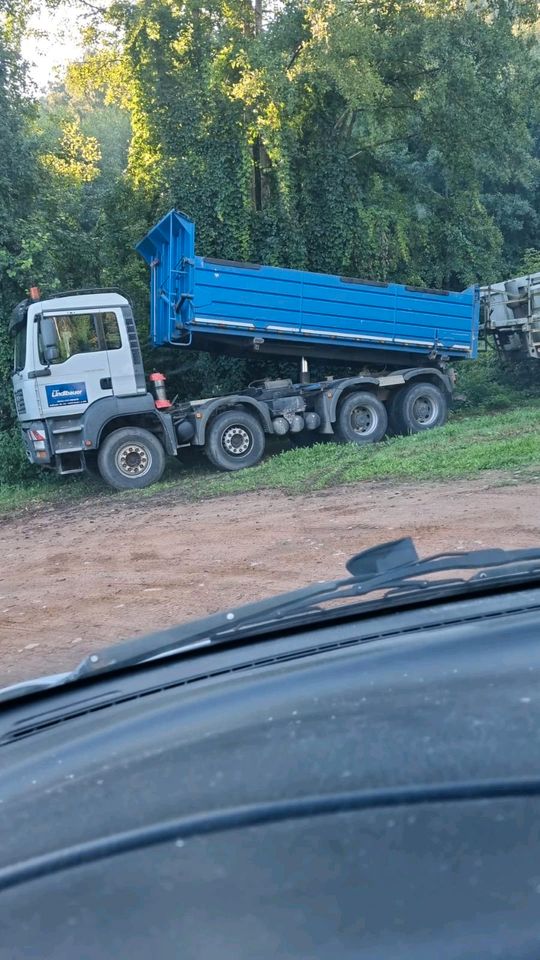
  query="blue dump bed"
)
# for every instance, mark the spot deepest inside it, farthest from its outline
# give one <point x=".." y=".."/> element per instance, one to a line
<point x="230" y="307"/>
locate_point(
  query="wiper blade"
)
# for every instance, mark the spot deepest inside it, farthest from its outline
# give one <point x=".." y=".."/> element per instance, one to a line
<point x="393" y="568"/>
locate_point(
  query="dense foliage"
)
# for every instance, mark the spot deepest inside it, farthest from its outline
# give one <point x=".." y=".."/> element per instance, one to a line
<point x="396" y="140"/>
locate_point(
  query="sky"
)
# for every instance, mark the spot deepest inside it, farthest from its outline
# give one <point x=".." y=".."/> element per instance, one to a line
<point x="51" y="42"/>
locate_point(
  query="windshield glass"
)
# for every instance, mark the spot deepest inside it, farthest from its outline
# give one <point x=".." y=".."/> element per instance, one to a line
<point x="269" y="472"/>
<point x="280" y="261"/>
<point x="19" y="349"/>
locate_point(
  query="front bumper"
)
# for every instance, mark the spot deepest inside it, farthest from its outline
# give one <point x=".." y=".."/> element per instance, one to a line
<point x="36" y="443"/>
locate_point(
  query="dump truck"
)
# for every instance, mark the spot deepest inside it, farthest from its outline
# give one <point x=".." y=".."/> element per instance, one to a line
<point x="85" y="402"/>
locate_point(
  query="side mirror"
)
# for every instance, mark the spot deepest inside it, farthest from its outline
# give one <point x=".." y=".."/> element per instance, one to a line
<point x="49" y="340"/>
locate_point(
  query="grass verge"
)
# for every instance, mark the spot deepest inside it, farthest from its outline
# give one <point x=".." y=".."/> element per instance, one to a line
<point x="48" y="490"/>
<point x="465" y="447"/>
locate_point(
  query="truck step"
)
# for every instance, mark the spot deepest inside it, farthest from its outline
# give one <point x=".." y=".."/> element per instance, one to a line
<point x="76" y="429"/>
<point x="73" y="463"/>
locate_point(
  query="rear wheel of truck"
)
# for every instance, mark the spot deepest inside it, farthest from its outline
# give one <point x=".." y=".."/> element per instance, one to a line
<point x="131" y="458"/>
<point x="234" y="440"/>
<point x="418" y="407"/>
<point x="362" y="418"/>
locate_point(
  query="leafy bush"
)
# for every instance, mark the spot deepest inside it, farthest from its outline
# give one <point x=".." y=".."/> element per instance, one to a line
<point x="490" y="383"/>
<point x="14" y="467"/>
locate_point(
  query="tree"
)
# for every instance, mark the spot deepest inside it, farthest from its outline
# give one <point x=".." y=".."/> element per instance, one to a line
<point x="17" y="185"/>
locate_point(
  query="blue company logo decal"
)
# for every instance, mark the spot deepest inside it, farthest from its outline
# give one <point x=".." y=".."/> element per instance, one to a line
<point x="66" y="393"/>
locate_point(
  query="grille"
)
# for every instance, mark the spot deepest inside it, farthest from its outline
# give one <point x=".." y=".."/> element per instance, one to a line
<point x="19" y="403"/>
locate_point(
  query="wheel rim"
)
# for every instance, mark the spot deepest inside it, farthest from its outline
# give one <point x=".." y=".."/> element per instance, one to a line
<point x="363" y="420"/>
<point x="236" y="441"/>
<point x="425" y="411"/>
<point x="133" y="460"/>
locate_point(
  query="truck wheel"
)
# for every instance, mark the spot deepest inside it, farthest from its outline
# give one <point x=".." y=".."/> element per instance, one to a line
<point x="131" y="458"/>
<point x="362" y="418"/>
<point x="234" y="440"/>
<point x="420" y="406"/>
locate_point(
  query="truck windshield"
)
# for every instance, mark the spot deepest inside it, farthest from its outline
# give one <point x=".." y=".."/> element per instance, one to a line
<point x="80" y="333"/>
<point x="20" y="348"/>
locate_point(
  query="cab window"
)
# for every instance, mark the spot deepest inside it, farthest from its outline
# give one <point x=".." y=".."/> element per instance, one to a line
<point x="77" y="333"/>
<point x="20" y="349"/>
<point x="111" y="333"/>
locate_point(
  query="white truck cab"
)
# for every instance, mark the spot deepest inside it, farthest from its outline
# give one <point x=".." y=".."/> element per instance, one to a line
<point x="77" y="371"/>
<point x="77" y="347"/>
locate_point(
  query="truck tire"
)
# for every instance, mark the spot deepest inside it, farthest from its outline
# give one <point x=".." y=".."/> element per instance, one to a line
<point x="418" y="407"/>
<point x="131" y="458"/>
<point x="362" y="418"/>
<point x="234" y="440"/>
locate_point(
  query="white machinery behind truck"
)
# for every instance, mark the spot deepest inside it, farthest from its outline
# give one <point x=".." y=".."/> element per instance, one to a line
<point x="84" y="403"/>
<point x="511" y="315"/>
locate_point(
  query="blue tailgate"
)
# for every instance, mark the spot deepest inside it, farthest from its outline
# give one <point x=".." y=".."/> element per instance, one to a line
<point x="192" y="294"/>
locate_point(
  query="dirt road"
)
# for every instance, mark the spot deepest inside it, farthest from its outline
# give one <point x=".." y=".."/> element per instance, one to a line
<point x="75" y="578"/>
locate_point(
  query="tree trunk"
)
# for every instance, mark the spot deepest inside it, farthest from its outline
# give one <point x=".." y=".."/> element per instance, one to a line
<point x="258" y="9"/>
<point x="261" y="160"/>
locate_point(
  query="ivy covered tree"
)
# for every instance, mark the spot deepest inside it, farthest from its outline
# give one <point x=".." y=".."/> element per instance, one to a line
<point x="377" y="138"/>
<point x="18" y="183"/>
<point x="373" y="138"/>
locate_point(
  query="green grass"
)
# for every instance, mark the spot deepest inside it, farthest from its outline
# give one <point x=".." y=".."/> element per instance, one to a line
<point x="51" y="490"/>
<point x="467" y="446"/>
<point x="463" y="448"/>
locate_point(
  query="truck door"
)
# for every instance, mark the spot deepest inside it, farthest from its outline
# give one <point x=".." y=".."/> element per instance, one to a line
<point x="125" y="358"/>
<point x="74" y="345"/>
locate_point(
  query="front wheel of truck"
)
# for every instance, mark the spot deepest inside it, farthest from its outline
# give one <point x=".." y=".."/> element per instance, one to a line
<point x="234" y="440"/>
<point x="131" y="458"/>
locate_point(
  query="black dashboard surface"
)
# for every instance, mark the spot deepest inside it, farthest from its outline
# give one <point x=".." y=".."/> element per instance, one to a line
<point x="424" y="706"/>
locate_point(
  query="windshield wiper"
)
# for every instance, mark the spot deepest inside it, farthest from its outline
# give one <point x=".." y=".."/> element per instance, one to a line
<point x="393" y="568"/>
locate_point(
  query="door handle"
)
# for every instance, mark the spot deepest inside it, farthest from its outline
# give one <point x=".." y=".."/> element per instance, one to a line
<point x="105" y="383"/>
